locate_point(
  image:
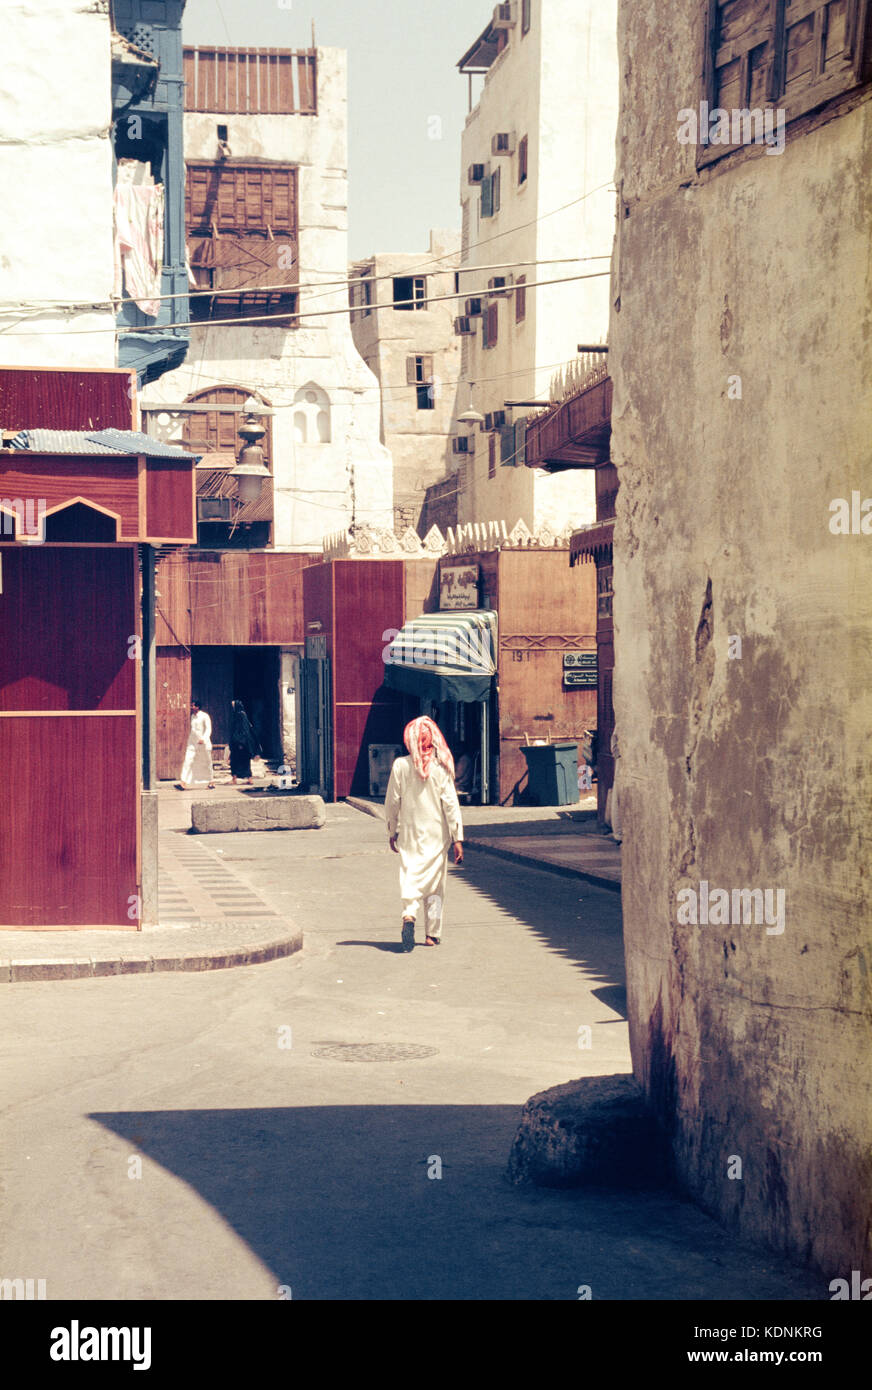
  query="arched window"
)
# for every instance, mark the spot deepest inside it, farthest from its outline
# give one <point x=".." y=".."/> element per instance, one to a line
<point x="216" y="431"/>
<point x="312" y="415"/>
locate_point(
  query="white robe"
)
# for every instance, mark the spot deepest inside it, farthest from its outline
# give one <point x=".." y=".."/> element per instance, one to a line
<point x="197" y="766"/>
<point x="425" y="816"/>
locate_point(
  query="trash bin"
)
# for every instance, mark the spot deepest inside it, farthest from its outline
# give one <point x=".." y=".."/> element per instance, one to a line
<point x="552" y="769"/>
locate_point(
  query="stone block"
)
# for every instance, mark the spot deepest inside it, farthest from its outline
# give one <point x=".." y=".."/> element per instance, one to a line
<point x="258" y="813"/>
<point x="596" y="1131"/>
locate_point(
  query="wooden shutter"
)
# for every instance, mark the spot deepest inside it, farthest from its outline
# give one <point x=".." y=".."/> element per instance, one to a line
<point x="507" y="444"/>
<point x="411" y="371"/>
<point x="520" y="298"/>
<point x="522" y="161"/>
<point x="792" y="54"/>
<point x="493" y="324"/>
<point x="236" y="199"/>
<point x="495" y="192"/>
<point x="520" y="428"/>
<point x="492" y="456"/>
<point x="427" y="368"/>
<point x="487" y="196"/>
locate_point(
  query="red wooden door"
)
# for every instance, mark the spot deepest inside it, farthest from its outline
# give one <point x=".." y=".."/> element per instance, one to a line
<point x="173" y="681"/>
<point x="69" y="740"/>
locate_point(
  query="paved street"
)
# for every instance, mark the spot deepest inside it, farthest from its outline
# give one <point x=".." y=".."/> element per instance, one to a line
<point x="310" y="1165"/>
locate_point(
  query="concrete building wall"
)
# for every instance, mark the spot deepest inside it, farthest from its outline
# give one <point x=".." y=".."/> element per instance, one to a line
<point x="55" y="138"/>
<point x="419" y="440"/>
<point x="742" y="365"/>
<point x="323" y="486"/>
<point x="557" y="85"/>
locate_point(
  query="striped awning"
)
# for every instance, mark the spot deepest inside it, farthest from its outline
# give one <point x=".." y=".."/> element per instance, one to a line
<point x="445" y="656"/>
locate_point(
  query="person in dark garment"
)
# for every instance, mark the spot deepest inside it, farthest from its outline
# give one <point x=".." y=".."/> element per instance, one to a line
<point x="243" y="744"/>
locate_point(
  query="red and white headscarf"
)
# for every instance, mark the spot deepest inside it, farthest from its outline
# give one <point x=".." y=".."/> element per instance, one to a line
<point x="423" y="739"/>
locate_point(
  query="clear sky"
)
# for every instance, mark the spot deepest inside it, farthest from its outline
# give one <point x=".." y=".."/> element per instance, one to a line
<point x="402" y="72"/>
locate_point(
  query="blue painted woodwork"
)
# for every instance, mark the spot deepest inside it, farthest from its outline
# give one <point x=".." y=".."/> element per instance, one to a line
<point x="156" y="27"/>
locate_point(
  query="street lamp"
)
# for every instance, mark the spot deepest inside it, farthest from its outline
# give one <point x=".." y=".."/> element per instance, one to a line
<point x="470" y="415"/>
<point x="251" y="469"/>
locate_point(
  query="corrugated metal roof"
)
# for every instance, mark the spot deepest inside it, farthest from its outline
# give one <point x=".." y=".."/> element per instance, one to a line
<point x="100" y="442"/>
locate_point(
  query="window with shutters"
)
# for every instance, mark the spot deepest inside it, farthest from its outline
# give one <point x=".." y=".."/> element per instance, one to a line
<point x="522" y="161"/>
<point x="778" y="55"/>
<point x="487" y="196"/>
<point x="520" y="299"/>
<point x="419" y="373"/>
<point x="242" y="240"/>
<point x="490" y="325"/>
<point x="216" y="431"/>
<point x="410" y="292"/>
<point x="492" y="455"/>
<point x="507" y="445"/>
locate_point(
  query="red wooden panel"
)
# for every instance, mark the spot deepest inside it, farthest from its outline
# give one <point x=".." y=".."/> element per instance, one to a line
<point x="318" y="601"/>
<point x="68" y="826"/>
<point x="369" y="597"/>
<point x="65" y="399"/>
<point x="307" y="78"/>
<point x="170" y="506"/>
<point x="173" y="680"/>
<point x="355" y="727"/>
<point x="67" y="618"/>
<point x="108" y="481"/>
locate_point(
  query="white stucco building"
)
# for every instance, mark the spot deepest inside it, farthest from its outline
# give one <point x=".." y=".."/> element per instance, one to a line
<point x="267" y="218"/>
<point x="537" y="165"/>
<point x="403" y="324"/>
<point x="56" y="253"/>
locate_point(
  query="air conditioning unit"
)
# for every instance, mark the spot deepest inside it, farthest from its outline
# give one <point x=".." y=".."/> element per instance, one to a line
<point x="213" y="509"/>
<point x="500" y="284"/>
<point x="464" y="327"/>
<point x="504" y="17"/>
<point x="503" y="143"/>
<point x="474" y="308"/>
<point x="476" y="173"/>
<point x="463" y="444"/>
<point x="381" y="760"/>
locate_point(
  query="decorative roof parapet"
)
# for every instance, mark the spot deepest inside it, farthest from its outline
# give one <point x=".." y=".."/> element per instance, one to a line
<point x="379" y="543"/>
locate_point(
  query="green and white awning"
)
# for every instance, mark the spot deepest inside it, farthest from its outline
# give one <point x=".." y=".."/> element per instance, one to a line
<point x="445" y="656"/>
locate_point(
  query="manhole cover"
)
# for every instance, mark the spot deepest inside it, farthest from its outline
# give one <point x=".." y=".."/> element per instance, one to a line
<point x="373" y="1052"/>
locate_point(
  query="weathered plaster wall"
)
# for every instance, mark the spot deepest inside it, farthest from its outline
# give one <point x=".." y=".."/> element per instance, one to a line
<point x="56" y="160"/>
<point x="753" y="771"/>
<point x="319" y="486"/>
<point x="418" y="440"/>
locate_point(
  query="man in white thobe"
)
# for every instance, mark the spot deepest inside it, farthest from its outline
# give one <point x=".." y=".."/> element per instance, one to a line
<point x="423" y="821"/>
<point x="197" y="766"/>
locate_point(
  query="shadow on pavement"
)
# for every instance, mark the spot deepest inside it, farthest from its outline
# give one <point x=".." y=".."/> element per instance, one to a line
<point x="338" y="1204"/>
<point x="576" y="919"/>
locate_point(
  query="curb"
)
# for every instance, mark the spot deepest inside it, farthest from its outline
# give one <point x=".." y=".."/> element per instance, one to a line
<point x="531" y="862"/>
<point x="528" y="860"/>
<point x="358" y="805"/>
<point x="86" y="967"/>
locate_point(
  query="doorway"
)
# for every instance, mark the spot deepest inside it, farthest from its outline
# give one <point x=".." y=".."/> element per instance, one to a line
<point x="220" y="675"/>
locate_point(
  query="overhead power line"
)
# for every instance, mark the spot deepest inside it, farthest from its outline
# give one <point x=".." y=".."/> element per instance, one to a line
<point x="276" y="319"/>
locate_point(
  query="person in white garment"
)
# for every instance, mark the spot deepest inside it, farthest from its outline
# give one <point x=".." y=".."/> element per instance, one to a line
<point x="423" y="822"/>
<point x="197" y="766"/>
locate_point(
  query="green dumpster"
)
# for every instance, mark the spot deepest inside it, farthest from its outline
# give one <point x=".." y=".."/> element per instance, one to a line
<point x="552" y="770"/>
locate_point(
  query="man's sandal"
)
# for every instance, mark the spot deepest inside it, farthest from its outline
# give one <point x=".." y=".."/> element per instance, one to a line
<point x="433" y="941"/>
